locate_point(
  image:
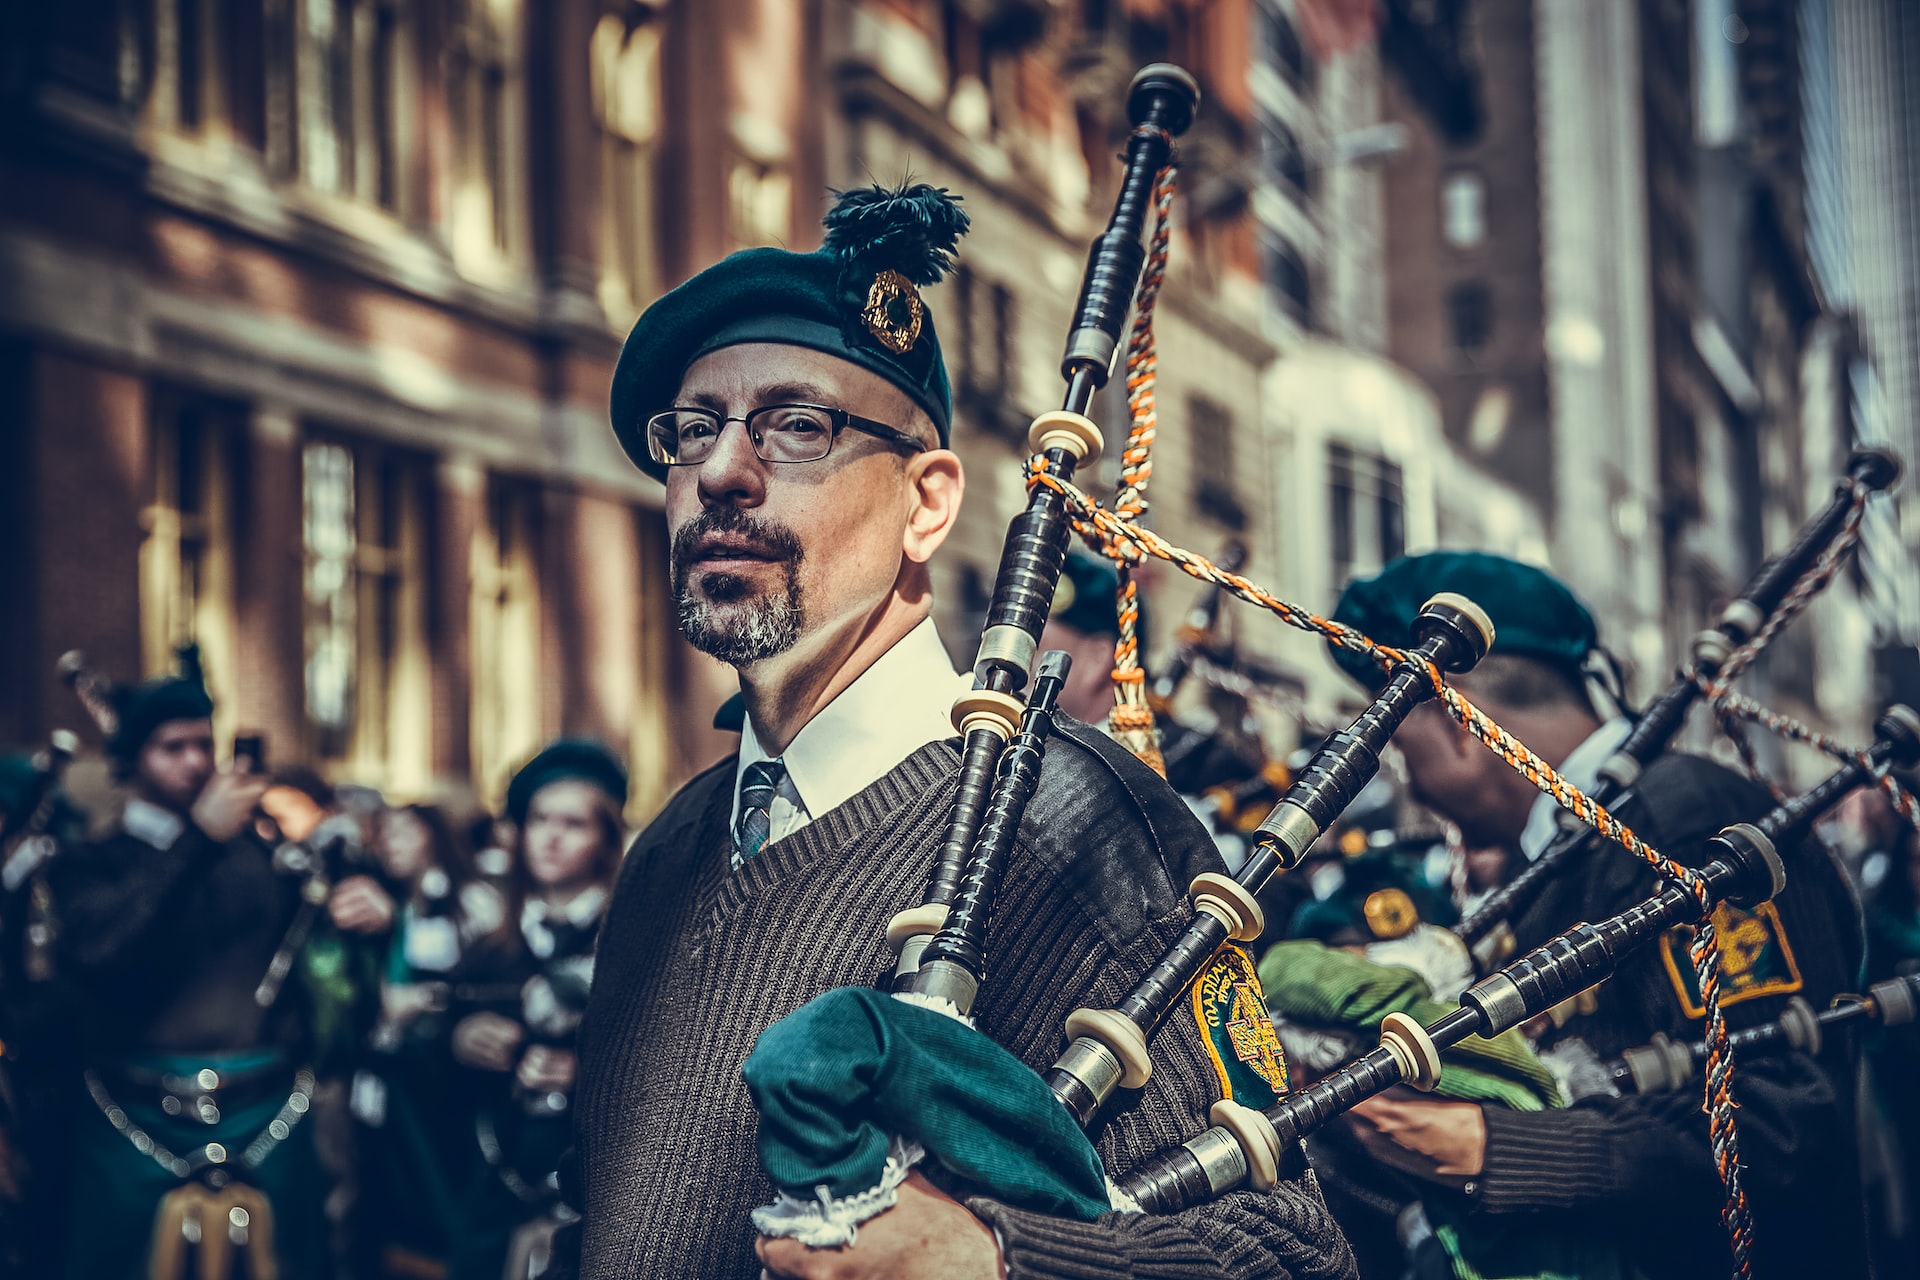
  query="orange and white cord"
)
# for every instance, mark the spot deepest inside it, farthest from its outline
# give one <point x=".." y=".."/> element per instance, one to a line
<point x="1131" y="720"/>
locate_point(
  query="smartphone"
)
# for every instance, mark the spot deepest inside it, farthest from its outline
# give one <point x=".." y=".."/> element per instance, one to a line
<point x="252" y="748"/>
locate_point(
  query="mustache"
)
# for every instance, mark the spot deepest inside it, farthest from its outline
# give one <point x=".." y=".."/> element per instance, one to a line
<point x="766" y="538"/>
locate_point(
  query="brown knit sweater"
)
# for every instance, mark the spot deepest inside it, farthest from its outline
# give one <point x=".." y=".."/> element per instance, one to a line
<point x="695" y="960"/>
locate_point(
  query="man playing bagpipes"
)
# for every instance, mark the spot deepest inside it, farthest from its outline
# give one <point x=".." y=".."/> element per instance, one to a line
<point x="1635" y="1172"/>
<point x="796" y="407"/>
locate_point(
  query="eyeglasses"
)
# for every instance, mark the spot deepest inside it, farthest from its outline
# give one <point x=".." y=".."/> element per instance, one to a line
<point x="780" y="433"/>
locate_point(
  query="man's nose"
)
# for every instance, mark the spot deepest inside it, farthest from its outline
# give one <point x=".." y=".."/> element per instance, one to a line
<point x="733" y="472"/>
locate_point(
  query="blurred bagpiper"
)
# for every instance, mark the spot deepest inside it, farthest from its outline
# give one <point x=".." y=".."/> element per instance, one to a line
<point x="190" y="1139"/>
<point x="1635" y="1172"/>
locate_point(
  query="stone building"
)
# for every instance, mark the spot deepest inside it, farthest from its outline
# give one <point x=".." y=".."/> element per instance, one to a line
<point x="311" y="307"/>
<point x="1611" y="290"/>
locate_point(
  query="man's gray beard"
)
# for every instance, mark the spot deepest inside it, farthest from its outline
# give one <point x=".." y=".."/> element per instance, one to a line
<point x="740" y="631"/>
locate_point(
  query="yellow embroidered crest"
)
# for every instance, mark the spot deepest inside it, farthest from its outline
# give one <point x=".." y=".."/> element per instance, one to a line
<point x="1231" y="1013"/>
<point x="1755" y="958"/>
<point x="894" y="312"/>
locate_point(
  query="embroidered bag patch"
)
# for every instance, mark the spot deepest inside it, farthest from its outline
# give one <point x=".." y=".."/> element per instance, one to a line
<point x="1231" y="1012"/>
<point x="1755" y="958"/>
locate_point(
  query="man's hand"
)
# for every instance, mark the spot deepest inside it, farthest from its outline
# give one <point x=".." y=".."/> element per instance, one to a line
<point x="226" y="804"/>
<point x="487" y="1041"/>
<point x="359" y="905"/>
<point x="544" y="1069"/>
<point x="1440" y="1141"/>
<point x="927" y="1234"/>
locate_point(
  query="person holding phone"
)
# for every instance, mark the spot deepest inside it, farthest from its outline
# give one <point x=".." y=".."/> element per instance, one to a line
<point x="190" y="1150"/>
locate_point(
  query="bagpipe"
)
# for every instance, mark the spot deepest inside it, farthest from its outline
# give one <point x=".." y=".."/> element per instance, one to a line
<point x="1779" y="590"/>
<point x="939" y="946"/>
<point x="1664" y="1064"/>
<point x="28" y="846"/>
<point x="1746" y="871"/>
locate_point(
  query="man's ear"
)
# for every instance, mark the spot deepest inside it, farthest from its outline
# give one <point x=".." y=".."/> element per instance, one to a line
<point x="935" y="484"/>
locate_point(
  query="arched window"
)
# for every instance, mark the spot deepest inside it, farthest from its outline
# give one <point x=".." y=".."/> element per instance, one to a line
<point x="1463" y="209"/>
<point x="1280" y="47"/>
<point x="1288" y="282"/>
<point x="1281" y="154"/>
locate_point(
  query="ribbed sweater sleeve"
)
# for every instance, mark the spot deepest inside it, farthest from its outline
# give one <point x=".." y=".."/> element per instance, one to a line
<point x="1651" y="1152"/>
<point x="1247" y="1236"/>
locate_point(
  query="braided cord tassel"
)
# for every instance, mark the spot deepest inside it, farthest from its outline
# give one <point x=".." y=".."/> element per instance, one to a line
<point x="1131" y="719"/>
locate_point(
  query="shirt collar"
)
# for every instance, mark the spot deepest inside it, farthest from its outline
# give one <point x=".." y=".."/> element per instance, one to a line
<point x="892" y="709"/>
<point x="1582" y="769"/>
<point x="151" y="824"/>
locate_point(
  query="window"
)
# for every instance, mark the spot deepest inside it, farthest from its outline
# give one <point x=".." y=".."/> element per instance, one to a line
<point x="759" y="202"/>
<point x="362" y="533"/>
<point x="485" y="99"/>
<point x="1282" y="158"/>
<point x="1288" y="284"/>
<point x="1463" y="210"/>
<point x="1717" y="29"/>
<point x="183" y="46"/>
<point x="1280" y="47"/>
<point x="1215" y="481"/>
<point x="1470" y="316"/>
<point x="626" y="102"/>
<point x="985" y="341"/>
<point x="1366" y="509"/>
<point x="186" y="547"/>
<point x="347" y="68"/>
<point x="329" y="539"/>
<point x="505" y="635"/>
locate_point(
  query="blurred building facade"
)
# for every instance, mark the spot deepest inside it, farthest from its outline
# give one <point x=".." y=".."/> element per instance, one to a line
<point x="308" y="310"/>
<point x="1612" y="288"/>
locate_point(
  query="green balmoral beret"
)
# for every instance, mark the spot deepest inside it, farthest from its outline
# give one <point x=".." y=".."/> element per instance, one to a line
<point x="568" y="760"/>
<point x="1533" y="613"/>
<point x="857" y="297"/>
<point x="140" y="709"/>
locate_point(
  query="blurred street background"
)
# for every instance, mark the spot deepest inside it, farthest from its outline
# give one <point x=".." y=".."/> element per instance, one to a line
<point x="308" y="310"/>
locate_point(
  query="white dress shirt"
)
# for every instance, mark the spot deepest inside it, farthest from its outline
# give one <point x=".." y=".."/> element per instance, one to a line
<point x="1582" y="769"/>
<point x="892" y="709"/>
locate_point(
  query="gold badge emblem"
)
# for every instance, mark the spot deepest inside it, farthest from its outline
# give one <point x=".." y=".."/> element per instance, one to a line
<point x="1390" y="914"/>
<point x="894" y="312"/>
<point x="1755" y="958"/>
<point x="1231" y="1013"/>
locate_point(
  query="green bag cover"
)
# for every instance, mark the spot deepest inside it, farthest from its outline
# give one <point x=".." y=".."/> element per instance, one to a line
<point x="845" y="1081"/>
<point x="1312" y="983"/>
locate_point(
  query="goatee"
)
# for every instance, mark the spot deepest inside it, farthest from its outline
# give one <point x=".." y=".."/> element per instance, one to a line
<point x="729" y="617"/>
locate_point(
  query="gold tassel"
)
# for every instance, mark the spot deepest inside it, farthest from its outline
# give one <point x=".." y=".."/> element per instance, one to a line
<point x="228" y="1226"/>
<point x="167" y="1255"/>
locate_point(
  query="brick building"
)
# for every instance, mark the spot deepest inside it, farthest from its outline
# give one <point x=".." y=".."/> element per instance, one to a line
<point x="311" y="307"/>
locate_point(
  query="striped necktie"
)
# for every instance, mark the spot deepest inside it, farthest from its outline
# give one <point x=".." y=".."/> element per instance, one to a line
<point x="759" y="783"/>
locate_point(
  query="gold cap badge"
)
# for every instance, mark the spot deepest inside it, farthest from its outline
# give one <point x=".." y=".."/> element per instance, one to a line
<point x="894" y="311"/>
<point x="1390" y="914"/>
